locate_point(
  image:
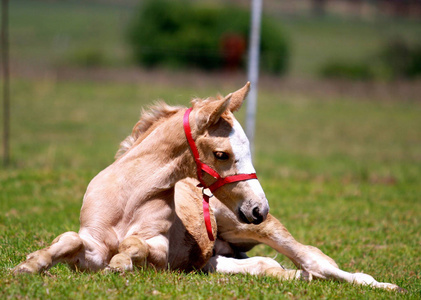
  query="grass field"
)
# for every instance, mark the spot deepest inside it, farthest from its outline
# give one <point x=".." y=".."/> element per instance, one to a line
<point x="341" y="174"/>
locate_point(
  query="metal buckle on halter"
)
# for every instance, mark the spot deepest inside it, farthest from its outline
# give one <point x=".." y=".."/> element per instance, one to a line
<point x="206" y="192"/>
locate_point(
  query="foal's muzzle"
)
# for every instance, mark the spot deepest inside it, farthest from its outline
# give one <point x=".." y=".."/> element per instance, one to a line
<point x="255" y="216"/>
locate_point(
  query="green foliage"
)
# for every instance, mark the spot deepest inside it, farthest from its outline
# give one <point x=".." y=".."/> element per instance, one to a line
<point x="182" y="34"/>
<point x="87" y="57"/>
<point x="346" y="69"/>
<point x="397" y="59"/>
<point x="402" y="58"/>
<point x="315" y="42"/>
<point x="274" y="47"/>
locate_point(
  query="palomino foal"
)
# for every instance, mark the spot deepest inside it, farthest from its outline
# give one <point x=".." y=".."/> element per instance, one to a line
<point x="128" y="208"/>
<point x="191" y="249"/>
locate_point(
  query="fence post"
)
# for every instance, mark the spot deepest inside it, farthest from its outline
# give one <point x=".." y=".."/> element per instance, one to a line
<point x="253" y="69"/>
<point x="6" y="81"/>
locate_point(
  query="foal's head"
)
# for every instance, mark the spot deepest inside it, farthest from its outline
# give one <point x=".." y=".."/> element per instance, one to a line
<point x="223" y="145"/>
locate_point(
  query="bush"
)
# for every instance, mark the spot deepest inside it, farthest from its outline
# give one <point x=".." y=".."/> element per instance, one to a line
<point x="402" y="58"/>
<point x="347" y="70"/>
<point x="182" y="34"/>
<point x="397" y="59"/>
<point x="87" y="57"/>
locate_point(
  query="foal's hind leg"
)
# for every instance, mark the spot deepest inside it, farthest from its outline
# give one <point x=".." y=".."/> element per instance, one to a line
<point x="132" y="251"/>
<point x="255" y="266"/>
<point x="64" y="248"/>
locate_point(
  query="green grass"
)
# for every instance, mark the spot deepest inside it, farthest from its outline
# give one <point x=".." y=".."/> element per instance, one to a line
<point x="341" y="174"/>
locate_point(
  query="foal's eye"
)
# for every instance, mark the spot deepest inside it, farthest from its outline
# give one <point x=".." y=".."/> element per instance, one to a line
<point x="221" y="155"/>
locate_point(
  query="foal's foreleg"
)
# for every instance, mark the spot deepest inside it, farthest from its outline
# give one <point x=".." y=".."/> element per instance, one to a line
<point x="133" y="251"/>
<point x="320" y="265"/>
<point x="309" y="258"/>
<point x="64" y="248"/>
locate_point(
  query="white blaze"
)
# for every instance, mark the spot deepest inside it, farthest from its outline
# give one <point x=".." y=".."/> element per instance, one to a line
<point x="241" y="148"/>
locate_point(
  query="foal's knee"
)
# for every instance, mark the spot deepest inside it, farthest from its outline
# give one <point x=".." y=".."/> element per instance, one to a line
<point x="70" y="237"/>
<point x="121" y="262"/>
<point x="66" y="244"/>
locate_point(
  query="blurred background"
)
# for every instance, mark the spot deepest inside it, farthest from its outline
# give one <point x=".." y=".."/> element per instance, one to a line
<point x="309" y="48"/>
<point x="359" y="40"/>
<point x="75" y="64"/>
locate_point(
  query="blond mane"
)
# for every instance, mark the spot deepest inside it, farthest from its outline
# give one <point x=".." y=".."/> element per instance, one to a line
<point x="148" y="117"/>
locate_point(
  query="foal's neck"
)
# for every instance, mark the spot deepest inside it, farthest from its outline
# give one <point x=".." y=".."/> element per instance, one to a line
<point x="159" y="158"/>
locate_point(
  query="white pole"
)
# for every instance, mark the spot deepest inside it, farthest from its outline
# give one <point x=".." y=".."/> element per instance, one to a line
<point x="6" y="79"/>
<point x="253" y="69"/>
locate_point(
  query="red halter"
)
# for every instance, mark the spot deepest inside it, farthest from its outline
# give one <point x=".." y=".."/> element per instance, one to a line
<point x="220" y="181"/>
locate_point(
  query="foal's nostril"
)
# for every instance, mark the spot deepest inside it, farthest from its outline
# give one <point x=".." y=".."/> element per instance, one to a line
<point x="257" y="216"/>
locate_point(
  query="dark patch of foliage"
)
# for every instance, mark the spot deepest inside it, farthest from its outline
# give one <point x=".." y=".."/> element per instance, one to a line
<point x="182" y="34"/>
<point x="397" y="59"/>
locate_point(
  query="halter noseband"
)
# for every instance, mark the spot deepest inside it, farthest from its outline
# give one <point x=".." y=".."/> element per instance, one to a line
<point x="220" y="181"/>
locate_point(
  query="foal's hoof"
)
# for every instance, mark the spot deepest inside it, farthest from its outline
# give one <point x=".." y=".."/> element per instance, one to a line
<point x="365" y="279"/>
<point x="304" y="275"/>
<point x="400" y="290"/>
<point x="120" y="262"/>
<point x="283" y="274"/>
<point x="392" y="287"/>
<point x="24" y="268"/>
<point x="35" y="263"/>
<point x="28" y="267"/>
<point x="137" y="249"/>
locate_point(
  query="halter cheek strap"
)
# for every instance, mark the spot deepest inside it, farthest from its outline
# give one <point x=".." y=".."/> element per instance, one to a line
<point x="201" y="167"/>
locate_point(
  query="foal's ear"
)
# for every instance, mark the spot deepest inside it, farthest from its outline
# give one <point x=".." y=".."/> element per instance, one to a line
<point x="238" y="97"/>
<point x="210" y="113"/>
